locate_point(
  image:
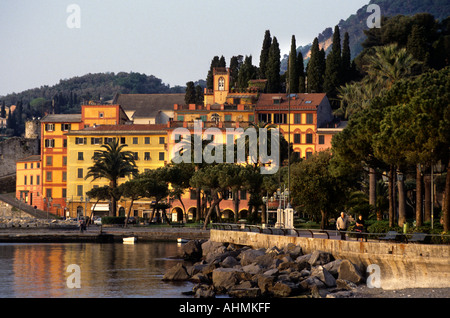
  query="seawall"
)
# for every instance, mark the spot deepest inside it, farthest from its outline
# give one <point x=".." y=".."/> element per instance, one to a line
<point x="401" y="265"/>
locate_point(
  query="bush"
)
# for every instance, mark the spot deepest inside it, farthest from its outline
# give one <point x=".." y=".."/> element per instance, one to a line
<point x="113" y="220"/>
<point x="382" y="227"/>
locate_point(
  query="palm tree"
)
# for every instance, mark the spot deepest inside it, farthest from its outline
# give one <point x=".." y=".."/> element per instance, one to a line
<point x="112" y="163"/>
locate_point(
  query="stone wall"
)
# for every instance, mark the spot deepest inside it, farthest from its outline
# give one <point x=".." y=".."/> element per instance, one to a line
<point x="401" y="265"/>
<point x="13" y="149"/>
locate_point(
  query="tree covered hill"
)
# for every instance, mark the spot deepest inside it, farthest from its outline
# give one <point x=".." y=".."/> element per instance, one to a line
<point x="68" y="94"/>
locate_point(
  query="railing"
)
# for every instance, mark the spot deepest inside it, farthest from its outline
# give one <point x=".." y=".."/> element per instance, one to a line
<point x="313" y="233"/>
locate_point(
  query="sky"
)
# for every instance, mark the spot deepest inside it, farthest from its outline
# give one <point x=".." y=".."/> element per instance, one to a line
<point x="44" y="41"/>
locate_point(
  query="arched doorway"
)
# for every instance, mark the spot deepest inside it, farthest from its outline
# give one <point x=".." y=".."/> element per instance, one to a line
<point x="177" y="214"/>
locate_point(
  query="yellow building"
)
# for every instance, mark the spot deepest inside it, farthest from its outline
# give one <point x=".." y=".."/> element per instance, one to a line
<point x="28" y="181"/>
<point x="148" y="143"/>
<point x="94" y="115"/>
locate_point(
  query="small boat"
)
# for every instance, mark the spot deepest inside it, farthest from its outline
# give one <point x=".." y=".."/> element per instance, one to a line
<point x="129" y="240"/>
<point x="181" y="240"/>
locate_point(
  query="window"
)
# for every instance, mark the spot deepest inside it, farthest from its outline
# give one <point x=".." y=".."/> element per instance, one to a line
<point x="321" y="139"/>
<point x="308" y="154"/>
<point x="108" y="139"/>
<point x="147" y="140"/>
<point x="49" y="127"/>
<point x="80" y="141"/>
<point x="309" y="138"/>
<point x="80" y="173"/>
<point x="25" y="180"/>
<point x="49" y="143"/>
<point x="65" y="127"/>
<point x="251" y="118"/>
<point x="136" y="156"/>
<point x="31" y="164"/>
<point x="161" y="156"/>
<point x="279" y="118"/>
<point x="243" y="195"/>
<point x="297" y="138"/>
<point x="79" y="190"/>
<point x="227" y="117"/>
<point x="180" y="118"/>
<point x="49" y="160"/>
<point x="135" y="140"/>
<point x="162" y="140"/>
<point x="38" y="165"/>
<point x="65" y="143"/>
<point x="96" y="140"/>
<point x="265" y="118"/>
<point x="297" y="118"/>
<point x="64" y="176"/>
<point x="48" y="194"/>
<point x="80" y="155"/>
<point x="38" y="180"/>
<point x="203" y="118"/>
<point x="64" y="192"/>
<point x="123" y="140"/>
<point x="31" y="180"/>
<point x="147" y="156"/>
<point x="101" y="114"/>
<point x="64" y="161"/>
<point x="221" y="84"/>
<point x="48" y="176"/>
<point x="309" y="118"/>
<point x="26" y="165"/>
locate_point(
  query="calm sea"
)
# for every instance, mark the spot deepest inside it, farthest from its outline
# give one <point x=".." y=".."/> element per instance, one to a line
<point x="89" y="270"/>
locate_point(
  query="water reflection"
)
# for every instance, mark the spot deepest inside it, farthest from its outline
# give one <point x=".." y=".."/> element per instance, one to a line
<point x="107" y="270"/>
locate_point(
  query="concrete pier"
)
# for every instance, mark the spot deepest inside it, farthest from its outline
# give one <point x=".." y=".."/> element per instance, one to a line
<point x="401" y="265"/>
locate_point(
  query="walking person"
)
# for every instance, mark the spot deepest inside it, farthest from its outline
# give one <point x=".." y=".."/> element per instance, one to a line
<point x="341" y="225"/>
<point x="360" y="228"/>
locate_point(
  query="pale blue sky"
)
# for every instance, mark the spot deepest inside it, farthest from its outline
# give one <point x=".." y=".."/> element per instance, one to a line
<point x="175" y="40"/>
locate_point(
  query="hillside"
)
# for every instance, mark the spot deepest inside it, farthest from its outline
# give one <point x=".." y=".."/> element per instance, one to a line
<point x="357" y="23"/>
<point x="69" y="93"/>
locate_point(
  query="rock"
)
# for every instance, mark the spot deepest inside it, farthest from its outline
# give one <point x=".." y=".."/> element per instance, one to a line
<point x="303" y="259"/>
<point x="284" y="289"/>
<point x="265" y="260"/>
<point x="203" y="291"/>
<point x="310" y="282"/>
<point x="192" y="250"/>
<point x="252" y="269"/>
<point x="229" y="262"/>
<point x="177" y="272"/>
<point x="294" y="250"/>
<point x="271" y="272"/>
<point x="224" y="278"/>
<point x="345" y="284"/>
<point x="249" y="256"/>
<point x="265" y="283"/>
<point x="349" y="271"/>
<point x="322" y="274"/>
<point x="210" y="247"/>
<point x="251" y="292"/>
<point x="200" y="278"/>
<point x="320" y="258"/>
<point x="194" y="269"/>
<point x="333" y="267"/>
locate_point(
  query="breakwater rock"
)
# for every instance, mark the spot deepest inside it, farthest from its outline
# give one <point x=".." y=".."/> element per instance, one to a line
<point x="243" y="272"/>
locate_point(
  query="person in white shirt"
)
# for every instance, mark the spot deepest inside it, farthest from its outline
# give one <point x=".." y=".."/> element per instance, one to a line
<point x="341" y="225"/>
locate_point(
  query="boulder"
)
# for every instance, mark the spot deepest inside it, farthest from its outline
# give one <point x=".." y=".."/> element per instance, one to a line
<point x="192" y="250"/>
<point x="204" y="291"/>
<point x="229" y="262"/>
<point x="225" y="278"/>
<point x="177" y="272"/>
<point x="293" y="250"/>
<point x="284" y="289"/>
<point x="249" y="256"/>
<point x="265" y="283"/>
<point x="325" y="277"/>
<point x="252" y="269"/>
<point x="250" y="292"/>
<point x="333" y="267"/>
<point x="210" y="247"/>
<point x="349" y="271"/>
<point x="265" y="260"/>
<point x="345" y="284"/>
<point x="320" y="258"/>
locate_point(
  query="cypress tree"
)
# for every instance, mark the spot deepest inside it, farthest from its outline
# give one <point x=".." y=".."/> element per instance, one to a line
<point x="301" y="73"/>
<point x="292" y="68"/>
<point x="333" y="74"/>
<point x="347" y="73"/>
<point x="191" y="94"/>
<point x="235" y="65"/>
<point x="210" y="77"/>
<point x="315" y="69"/>
<point x="273" y="68"/>
<point x="199" y="97"/>
<point x="3" y="111"/>
<point x="264" y="57"/>
<point x="246" y="72"/>
<point x="417" y="43"/>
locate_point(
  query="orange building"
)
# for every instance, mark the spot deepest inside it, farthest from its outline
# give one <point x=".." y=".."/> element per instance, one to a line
<point x="28" y="176"/>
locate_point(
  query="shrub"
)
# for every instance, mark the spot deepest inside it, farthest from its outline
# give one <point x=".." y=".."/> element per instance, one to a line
<point x="113" y="220"/>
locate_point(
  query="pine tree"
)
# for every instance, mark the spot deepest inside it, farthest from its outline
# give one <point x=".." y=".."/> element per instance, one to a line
<point x="264" y="57"/>
<point x="292" y="68"/>
<point x="333" y="69"/>
<point x="273" y="68"/>
<point x="301" y="73"/>
<point x="315" y="69"/>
